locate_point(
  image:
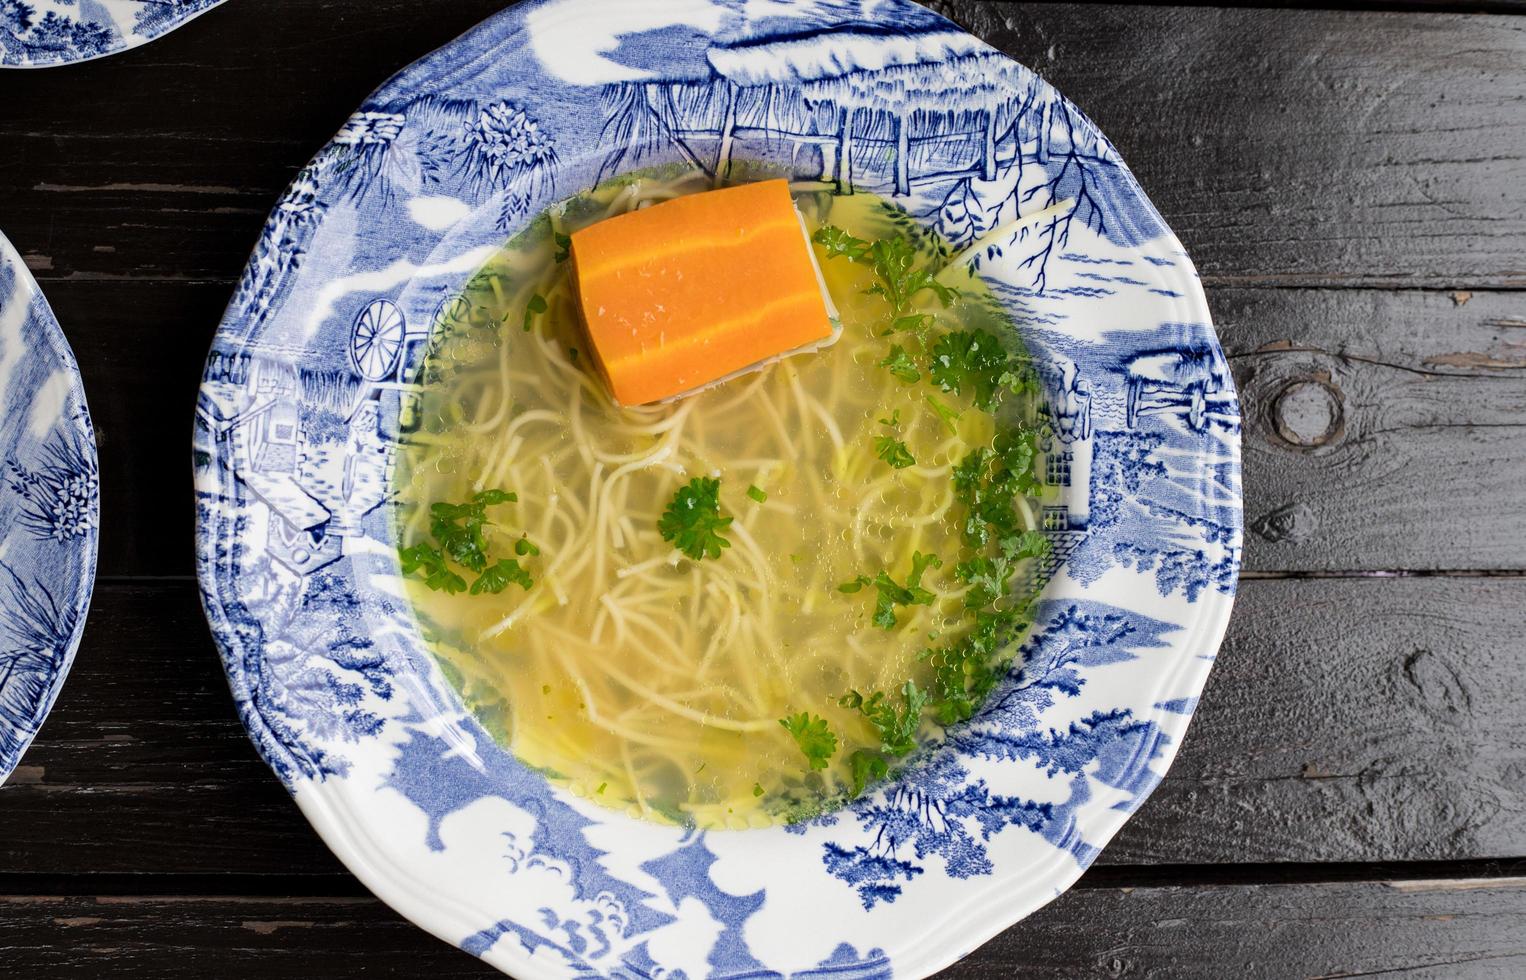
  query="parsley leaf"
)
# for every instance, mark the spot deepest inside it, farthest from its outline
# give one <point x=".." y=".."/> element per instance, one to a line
<point x="534" y="308"/>
<point x="524" y="547"/>
<point x="866" y="767"/>
<point x="839" y="242"/>
<point x="964" y="673"/>
<point x="496" y="578"/>
<point x="948" y="415"/>
<point x="901" y="366"/>
<point x="897" y="727"/>
<point x="757" y="493"/>
<point x="892" y="593"/>
<point x="458" y="527"/>
<point x="813" y="736"/>
<point x="894" y="264"/>
<point x="915" y="323"/>
<point x="901" y="280"/>
<point x="693" y="521"/>
<point x="972" y="363"/>
<point x="893" y="450"/>
<point x="563" y="247"/>
<point x="458" y="533"/>
<point x="437" y="574"/>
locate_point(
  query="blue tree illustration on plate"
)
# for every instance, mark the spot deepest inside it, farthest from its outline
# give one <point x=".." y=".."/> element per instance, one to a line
<point x="34" y="640"/>
<point x="937" y="809"/>
<point x="154" y="17"/>
<point x="27" y="38"/>
<point x="1133" y="495"/>
<point x="316" y="671"/>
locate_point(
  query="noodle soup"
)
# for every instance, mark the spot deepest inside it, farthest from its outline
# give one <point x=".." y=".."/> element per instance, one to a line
<point x="876" y="568"/>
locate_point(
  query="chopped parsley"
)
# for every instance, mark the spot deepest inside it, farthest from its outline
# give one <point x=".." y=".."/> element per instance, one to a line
<point x="693" y="521"/>
<point x="813" y="736"/>
<point x="948" y="415"/>
<point x="563" y="247"/>
<point x="892" y="593"/>
<point x="896" y="726"/>
<point x="894" y="261"/>
<point x="459" y="536"/>
<point x="495" y="578"/>
<point x="757" y="789"/>
<point x="892" y="450"/>
<point x="437" y="574"/>
<point x="533" y="309"/>
<point x="975" y="364"/>
<point x="901" y="366"/>
<point x="916" y="324"/>
<point x="757" y="493"/>
<point x="866" y="767"/>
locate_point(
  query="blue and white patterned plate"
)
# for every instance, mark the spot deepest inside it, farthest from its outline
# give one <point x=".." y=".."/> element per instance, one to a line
<point x="40" y="33"/>
<point x="49" y="509"/>
<point x="295" y="437"/>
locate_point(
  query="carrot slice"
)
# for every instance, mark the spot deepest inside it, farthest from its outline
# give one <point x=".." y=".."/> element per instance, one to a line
<point x="686" y="292"/>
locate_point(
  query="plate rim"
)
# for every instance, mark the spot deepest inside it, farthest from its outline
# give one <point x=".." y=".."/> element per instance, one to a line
<point x="84" y="583"/>
<point x="124" y="43"/>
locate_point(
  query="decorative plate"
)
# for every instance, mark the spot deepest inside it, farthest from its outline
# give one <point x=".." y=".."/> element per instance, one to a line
<point x="39" y="33"/>
<point x="299" y="413"/>
<point x="49" y="509"/>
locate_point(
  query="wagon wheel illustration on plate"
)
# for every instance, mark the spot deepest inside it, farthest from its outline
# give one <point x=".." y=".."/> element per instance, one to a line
<point x="376" y="340"/>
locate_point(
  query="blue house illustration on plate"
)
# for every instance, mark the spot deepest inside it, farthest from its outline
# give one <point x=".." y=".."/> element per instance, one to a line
<point x="311" y="444"/>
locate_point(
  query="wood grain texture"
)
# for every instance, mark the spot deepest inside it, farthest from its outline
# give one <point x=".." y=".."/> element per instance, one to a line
<point x="1333" y="147"/>
<point x="1384" y="430"/>
<point x="1458" y="930"/>
<point x="1348" y="720"/>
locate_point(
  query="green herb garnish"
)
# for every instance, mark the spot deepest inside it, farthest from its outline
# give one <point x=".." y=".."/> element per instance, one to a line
<point x="495" y="578"/>
<point x="813" y="736"/>
<point x="892" y="593"/>
<point x="458" y="532"/>
<point x="563" y="246"/>
<point x="975" y="364"/>
<point x="866" y="767"/>
<point x="894" y="264"/>
<point x="897" y="726"/>
<point x="437" y="575"/>
<point x="839" y="242"/>
<point x="693" y="521"/>
<point x="756" y="493"/>
<point x="892" y="450"/>
<point x="948" y="415"/>
<point x="901" y="366"/>
<point x="757" y="789"/>
<point x="533" y="309"/>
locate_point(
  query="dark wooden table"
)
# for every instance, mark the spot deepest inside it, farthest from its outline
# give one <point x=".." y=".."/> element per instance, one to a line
<point x="1351" y="800"/>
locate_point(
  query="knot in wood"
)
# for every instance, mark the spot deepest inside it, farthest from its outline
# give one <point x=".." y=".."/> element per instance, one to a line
<point x="1309" y="413"/>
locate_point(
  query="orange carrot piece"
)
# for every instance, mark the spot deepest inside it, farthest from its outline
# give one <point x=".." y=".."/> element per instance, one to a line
<point x="683" y="293"/>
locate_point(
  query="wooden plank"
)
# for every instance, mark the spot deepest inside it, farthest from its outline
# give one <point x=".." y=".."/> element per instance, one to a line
<point x="1331" y="147"/>
<point x="1348" y="720"/>
<point x="1430" y="388"/>
<point x="1459" y="930"/>
<point x="1384" y="430"/>
<point x="1287" y="147"/>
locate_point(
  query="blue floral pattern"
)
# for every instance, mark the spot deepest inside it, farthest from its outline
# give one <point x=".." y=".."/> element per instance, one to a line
<point x="309" y="384"/>
<point x="49" y="512"/>
<point x="37" y="33"/>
